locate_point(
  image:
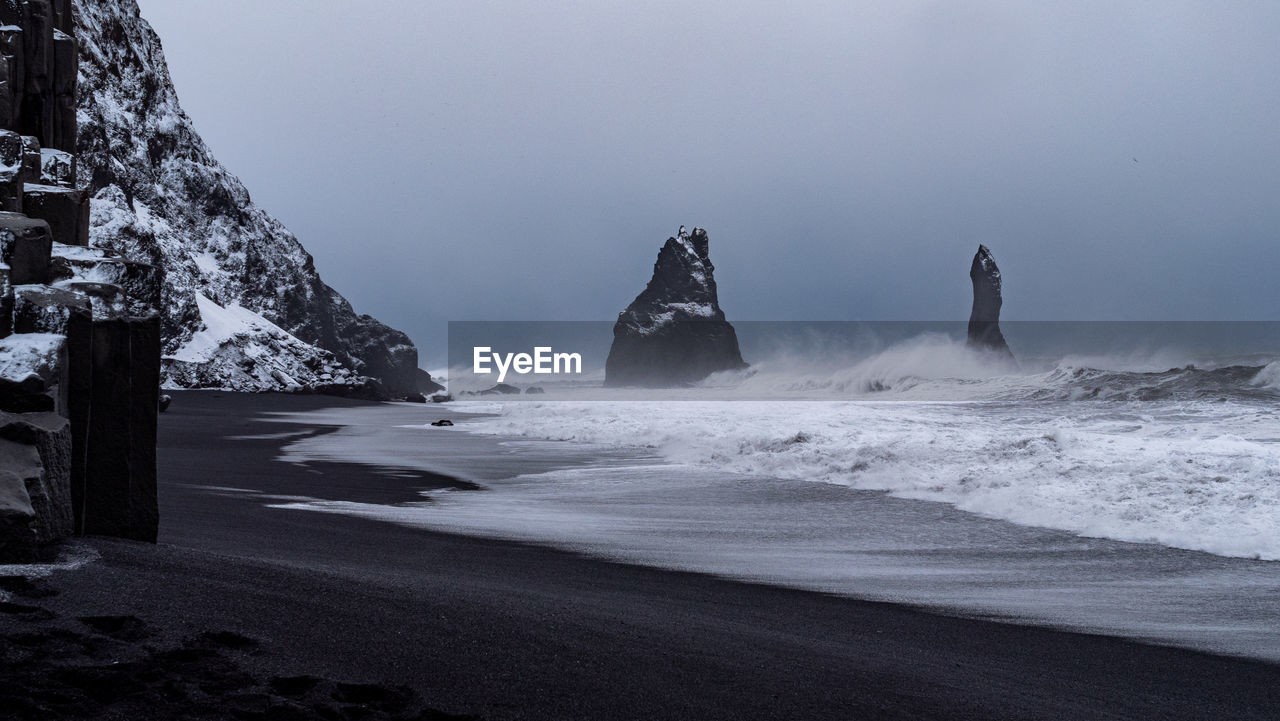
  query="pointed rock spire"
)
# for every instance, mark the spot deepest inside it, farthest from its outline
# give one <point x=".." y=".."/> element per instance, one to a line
<point x="984" y="321"/>
<point x="674" y="333"/>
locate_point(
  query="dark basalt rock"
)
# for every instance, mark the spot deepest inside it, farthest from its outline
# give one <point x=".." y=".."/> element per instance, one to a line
<point x="426" y="385"/>
<point x="502" y="389"/>
<point x="139" y="282"/>
<point x="534" y="391"/>
<point x="984" y="321"/>
<point x="29" y="395"/>
<point x="25" y="244"/>
<point x="44" y="309"/>
<point x="38" y="116"/>
<point x="65" y="209"/>
<point x="57" y="168"/>
<point x="41" y="309"/>
<point x="12" y="71"/>
<point x="106" y="497"/>
<point x="79" y="361"/>
<point x="674" y="333"/>
<point x="144" y="403"/>
<point x="66" y="65"/>
<point x="17" y="537"/>
<point x="33" y="375"/>
<point x="374" y="349"/>
<point x="32" y="160"/>
<point x="106" y="299"/>
<point x="6" y="304"/>
<point x="37" y="447"/>
<point x="11" y="171"/>
<point x="444" y="423"/>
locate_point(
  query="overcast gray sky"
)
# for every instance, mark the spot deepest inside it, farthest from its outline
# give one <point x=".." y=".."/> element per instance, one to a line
<point x="525" y="160"/>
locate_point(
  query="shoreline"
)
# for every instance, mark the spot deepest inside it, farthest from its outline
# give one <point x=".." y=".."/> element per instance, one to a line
<point x="510" y="630"/>
<point x="637" y="505"/>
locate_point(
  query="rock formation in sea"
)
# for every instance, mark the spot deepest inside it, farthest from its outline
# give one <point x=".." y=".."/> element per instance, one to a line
<point x="242" y="305"/>
<point x="984" y="321"/>
<point x="674" y="333"/>
<point x="79" y="326"/>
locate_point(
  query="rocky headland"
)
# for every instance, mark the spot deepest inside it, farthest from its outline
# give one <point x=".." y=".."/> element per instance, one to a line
<point x="241" y="306"/>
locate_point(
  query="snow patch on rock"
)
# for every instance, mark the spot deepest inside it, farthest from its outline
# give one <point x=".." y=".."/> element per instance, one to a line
<point x="22" y="356"/>
<point x="238" y="349"/>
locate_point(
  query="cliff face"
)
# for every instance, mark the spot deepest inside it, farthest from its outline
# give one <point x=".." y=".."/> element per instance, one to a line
<point x="984" y="320"/>
<point x="243" y="306"/>
<point x="79" y="327"/>
<point x="674" y="333"/>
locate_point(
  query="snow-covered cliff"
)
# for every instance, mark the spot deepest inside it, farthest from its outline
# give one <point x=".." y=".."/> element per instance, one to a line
<point x="243" y="306"/>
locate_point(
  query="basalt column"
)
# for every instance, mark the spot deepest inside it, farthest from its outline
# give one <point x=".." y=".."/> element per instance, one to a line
<point x="79" y="331"/>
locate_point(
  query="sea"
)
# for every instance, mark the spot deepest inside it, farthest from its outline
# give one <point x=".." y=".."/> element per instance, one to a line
<point x="1128" y="488"/>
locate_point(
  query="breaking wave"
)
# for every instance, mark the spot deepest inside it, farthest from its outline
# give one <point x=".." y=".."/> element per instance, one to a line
<point x="1181" y="455"/>
<point x="940" y="369"/>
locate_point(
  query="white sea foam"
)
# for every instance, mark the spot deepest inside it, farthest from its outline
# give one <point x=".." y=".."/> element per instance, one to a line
<point x="1202" y="475"/>
<point x="1142" y="446"/>
<point x="1269" y="376"/>
<point x="792" y="491"/>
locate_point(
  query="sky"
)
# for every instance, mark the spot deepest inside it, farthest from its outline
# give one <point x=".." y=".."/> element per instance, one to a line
<point x="473" y="160"/>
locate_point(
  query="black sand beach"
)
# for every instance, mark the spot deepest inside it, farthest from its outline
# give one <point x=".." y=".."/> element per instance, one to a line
<point x="238" y="601"/>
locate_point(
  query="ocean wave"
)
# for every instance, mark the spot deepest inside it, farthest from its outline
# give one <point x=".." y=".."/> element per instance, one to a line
<point x="1268" y="377"/>
<point x="938" y="368"/>
<point x="1192" y="473"/>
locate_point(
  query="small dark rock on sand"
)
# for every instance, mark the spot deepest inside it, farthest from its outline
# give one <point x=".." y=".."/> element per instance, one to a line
<point x="444" y="423"/>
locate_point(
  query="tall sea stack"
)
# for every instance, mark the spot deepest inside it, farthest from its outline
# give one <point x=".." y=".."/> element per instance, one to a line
<point x="674" y="333"/>
<point x="984" y="321"/>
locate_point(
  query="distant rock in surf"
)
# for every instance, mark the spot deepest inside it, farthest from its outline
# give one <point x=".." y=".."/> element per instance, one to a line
<point x="674" y="333"/>
<point x="984" y="321"/>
